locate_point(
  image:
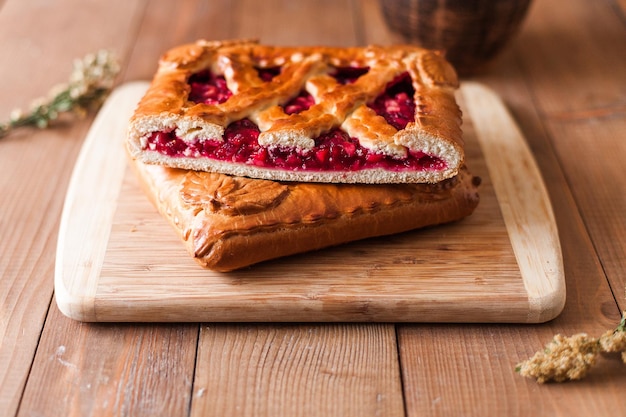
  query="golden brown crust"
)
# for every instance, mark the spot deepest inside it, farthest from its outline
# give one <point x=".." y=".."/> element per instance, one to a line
<point x="231" y="222"/>
<point x="436" y="130"/>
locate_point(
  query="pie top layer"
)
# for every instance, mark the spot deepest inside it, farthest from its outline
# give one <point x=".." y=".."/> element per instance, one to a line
<point x="325" y="114"/>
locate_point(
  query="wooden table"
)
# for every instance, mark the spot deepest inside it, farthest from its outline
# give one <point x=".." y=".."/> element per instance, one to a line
<point x="563" y="78"/>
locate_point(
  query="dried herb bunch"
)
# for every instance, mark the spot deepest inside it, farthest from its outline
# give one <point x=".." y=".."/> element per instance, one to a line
<point x="570" y="358"/>
<point x="90" y="82"/>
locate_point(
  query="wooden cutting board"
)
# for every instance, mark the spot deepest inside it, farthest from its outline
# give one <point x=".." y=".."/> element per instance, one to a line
<point x="119" y="260"/>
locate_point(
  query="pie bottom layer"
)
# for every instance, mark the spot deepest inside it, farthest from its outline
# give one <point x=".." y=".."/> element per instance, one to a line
<point x="228" y="222"/>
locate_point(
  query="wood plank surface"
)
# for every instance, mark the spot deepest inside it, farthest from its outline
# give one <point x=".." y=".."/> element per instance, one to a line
<point x="551" y="47"/>
<point x="115" y="370"/>
<point x="585" y="119"/>
<point x="136" y="401"/>
<point x="297" y="370"/>
<point x="562" y="78"/>
<point x="158" y="32"/>
<point x="116" y="353"/>
<point x="601" y="200"/>
<point x="440" y="364"/>
<point x="325" y="22"/>
<point x="33" y="62"/>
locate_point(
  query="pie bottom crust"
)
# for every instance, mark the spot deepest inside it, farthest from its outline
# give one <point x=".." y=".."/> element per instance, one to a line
<point x="228" y="222"/>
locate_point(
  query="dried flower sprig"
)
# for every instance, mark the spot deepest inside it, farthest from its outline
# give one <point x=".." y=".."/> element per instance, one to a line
<point x="90" y="82"/>
<point x="570" y="358"/>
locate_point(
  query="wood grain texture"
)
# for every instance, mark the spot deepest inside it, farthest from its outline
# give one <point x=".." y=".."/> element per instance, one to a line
<point x="275" y="22"/>
<point x="601" y="199"/>
<point x="562" y="78"/>
<point x="585" y="119"/>
<point x="443" y="375"/>
<point x="442" y="364"/>
<point x="86" y="370"/>
<point x="90" y="206"/>
<point x="158" y="32"/>
<point x="97" y="380"/>
<point x="35" y="166"/>
<point x="522" y="197"/>
<point x="297" y="370"/>
<point x="555" y="46"/>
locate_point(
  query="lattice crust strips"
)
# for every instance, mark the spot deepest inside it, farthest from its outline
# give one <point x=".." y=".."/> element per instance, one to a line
<point x="436" y="130"/>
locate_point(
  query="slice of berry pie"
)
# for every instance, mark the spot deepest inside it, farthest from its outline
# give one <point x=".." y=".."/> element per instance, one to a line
<point x="307" y="114"/>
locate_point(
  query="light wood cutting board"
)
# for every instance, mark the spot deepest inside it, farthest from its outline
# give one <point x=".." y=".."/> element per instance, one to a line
<point x="118" y="260"/>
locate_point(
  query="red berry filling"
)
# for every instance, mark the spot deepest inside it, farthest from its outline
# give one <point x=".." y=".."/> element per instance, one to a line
<point x="333" y="151"/>
<point x="208" y="88"/>
<point x="267" y="73"/>
<point x="300" y="103"/>
<point x="396" y="104"/>
<point x="348" y="75"/>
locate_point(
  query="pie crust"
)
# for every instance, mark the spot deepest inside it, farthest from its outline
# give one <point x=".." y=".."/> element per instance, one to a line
<point x="173" y="127"/>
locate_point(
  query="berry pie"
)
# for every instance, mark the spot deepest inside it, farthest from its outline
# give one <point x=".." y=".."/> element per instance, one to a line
<point x="305" y="114"/>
